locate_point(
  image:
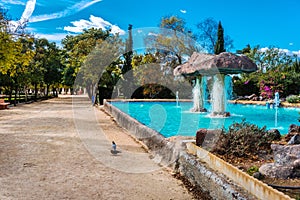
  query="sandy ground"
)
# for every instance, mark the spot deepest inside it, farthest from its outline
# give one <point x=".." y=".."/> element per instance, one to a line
<point x="45" y="155"/>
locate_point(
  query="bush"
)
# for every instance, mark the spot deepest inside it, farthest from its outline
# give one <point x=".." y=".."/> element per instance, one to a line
<point x="244" y="140"/>
<point x="244" y="88"/>
<point x="293" y="99"/>
<point x="252" y="170"/>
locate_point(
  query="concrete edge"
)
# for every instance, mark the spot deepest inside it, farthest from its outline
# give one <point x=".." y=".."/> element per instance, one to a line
<point x="214" y="183"/>
<point x="253" y="186"/>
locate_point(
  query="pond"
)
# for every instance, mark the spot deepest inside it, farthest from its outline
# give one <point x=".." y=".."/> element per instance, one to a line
<point x="172" y="119"/>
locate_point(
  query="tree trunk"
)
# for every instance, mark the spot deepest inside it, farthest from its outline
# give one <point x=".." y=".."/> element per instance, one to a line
<point x="10" y="93"/>
<point x="104" y="93"/>
<point x="47" y="90"/>
<point x="35" y="91"/>
<point x="15" y="101"/>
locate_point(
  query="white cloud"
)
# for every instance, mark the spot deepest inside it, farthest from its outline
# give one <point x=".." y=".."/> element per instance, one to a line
<point x="183" y="11"/>
<point x="67" y="12"/>
<point x="296" y="53"/>
<point x="93" y="22"/>
<point x="14" y="2"/>
<point x="291" y="44"/>
<point x="285" y="51"/>
<point x="30" y="6"/>
<point x="264" y="49"/>
<point x="57" y="37"/>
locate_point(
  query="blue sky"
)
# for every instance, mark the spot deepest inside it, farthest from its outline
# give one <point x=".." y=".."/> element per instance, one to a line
<point x="256" y="22"/>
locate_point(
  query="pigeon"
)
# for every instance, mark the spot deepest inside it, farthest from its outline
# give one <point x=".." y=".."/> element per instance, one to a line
<point x="114" y="148"/>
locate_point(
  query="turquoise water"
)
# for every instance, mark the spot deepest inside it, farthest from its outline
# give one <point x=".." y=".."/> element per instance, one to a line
<point x="171" y="120"/>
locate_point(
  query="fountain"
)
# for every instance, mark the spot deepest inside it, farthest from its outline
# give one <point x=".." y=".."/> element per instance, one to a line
<point x="276" y="100"/>
<point x="198" y="103"/>
<point x="204" y="91"/>
<point x="229" y="87"/>
<point x="218" y="96"/>
<point x="276" y="105"/>
<point x="217" y="66"/>
<point x="177" y="99"/>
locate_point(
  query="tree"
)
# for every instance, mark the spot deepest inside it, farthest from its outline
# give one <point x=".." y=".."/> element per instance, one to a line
<point x="127" y="65"/>
<point x="278" y="72"/>
<point x="15" y="54"/>
<point x="128" y="52"/>
<point x="39" y="64"/>
<point x="245" y="50"/>
<point x="152" y="81"/>
<point x="11" y="46"/>
<point x="174" y="41"/>
<point x="155" y="80"/>
<point x="102" y="67"/>
<point x="270" y="58"/>
<point x="208" y="36"/>
<point x="23" y="55"/>
<point x="219" y="47"/>
<point x="77" y="48"/>
<point x="53" y="68"/>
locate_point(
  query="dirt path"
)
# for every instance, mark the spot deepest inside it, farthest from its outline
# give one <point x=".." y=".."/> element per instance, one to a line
<point x="44" y="156"/>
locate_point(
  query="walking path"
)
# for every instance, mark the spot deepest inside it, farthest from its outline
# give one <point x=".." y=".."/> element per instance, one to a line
<point x="49" y="152"/>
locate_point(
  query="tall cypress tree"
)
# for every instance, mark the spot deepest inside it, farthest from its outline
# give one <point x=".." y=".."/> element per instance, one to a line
<point x="128" y="52"/>
<point x="219" y="47"/>
<point x="128" y="84"/>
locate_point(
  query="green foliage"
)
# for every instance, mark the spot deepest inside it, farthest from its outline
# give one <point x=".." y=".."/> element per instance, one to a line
<point x="219" y="47"/>
<point x="278" y="72"/>
<point x="147" y="72"/>
<point x="293" y="99"/>
<point x="245" y="85"/>
<point x="174" y="23"/>
<point x="174" y="41"/>
<point x="244" y="140"/>
<point x="46" y="66"/>
<point x="102" y="66"/>
<point x="153" y="91"/>
<point x="128" y="52"/>
<point x="104" y="61"/>
<point x="78" y="47"/>
<point x="145" y="68"/>
<point x="252" y="170"/>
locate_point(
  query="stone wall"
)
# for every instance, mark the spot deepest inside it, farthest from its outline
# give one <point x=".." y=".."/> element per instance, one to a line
<point x="215" y="184"/>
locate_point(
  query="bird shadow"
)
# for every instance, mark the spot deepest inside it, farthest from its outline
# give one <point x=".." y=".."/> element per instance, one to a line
<point x="115" y="152"/>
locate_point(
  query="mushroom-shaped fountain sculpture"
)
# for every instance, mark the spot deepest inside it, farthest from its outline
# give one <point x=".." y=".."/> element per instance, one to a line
<point x="201" y="64"/>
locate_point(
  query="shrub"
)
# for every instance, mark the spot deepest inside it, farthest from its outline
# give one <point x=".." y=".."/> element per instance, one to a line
<point x="244" y="140"/>
<point x="293" y="99"/>
<point x="252" y="170"/>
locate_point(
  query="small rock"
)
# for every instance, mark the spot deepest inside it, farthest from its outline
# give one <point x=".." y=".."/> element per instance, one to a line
<point x="286" y="162"/>
<point x="294" y="128"/>
<point x="200" y="136"/>
<point x="294" y="140"/>
<point x="274" y="134"/>
<point x="296" y="163"/>
<point x="257" y="175"/>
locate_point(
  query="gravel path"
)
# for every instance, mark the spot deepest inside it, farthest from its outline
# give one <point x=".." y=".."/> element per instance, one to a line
<point x="46" y="154"/>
